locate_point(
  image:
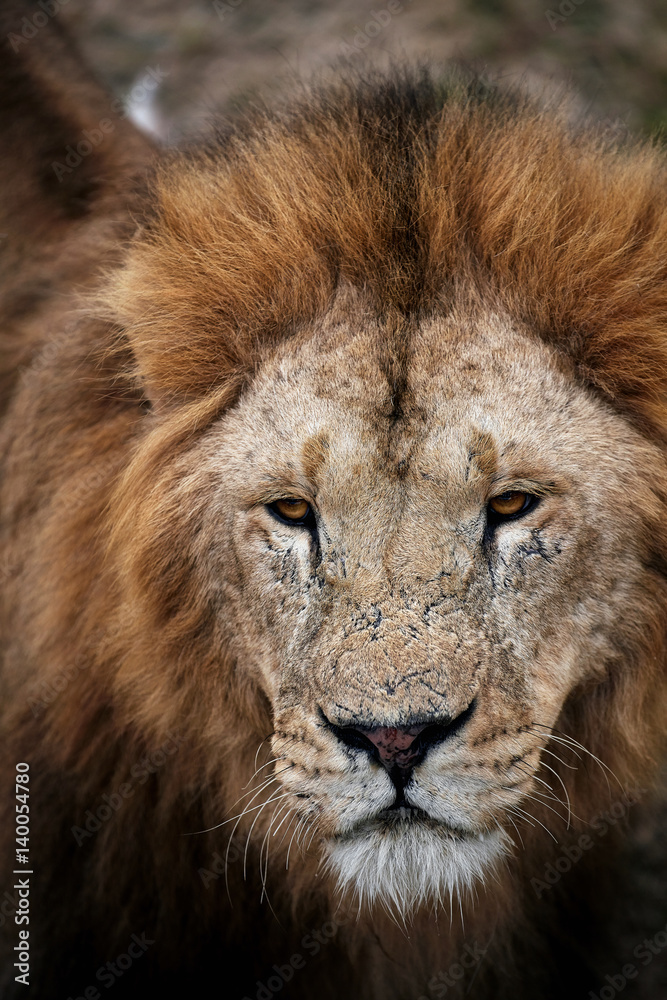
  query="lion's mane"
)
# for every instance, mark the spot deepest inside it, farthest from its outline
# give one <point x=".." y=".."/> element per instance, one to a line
<point x="121" y="687"/>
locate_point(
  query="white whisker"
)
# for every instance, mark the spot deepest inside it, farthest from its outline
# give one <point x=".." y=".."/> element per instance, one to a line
<point x="558" y="777"/>
<point x="570" y="741"/>
<point x="529" y="817"/>
<point x="268" y="802"/>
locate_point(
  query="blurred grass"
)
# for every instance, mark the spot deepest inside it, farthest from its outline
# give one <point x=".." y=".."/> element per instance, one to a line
<point x="610" y="54"/>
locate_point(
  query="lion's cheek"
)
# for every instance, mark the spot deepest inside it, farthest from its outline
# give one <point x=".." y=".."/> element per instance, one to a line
<point x="270" y="605"/>
<point x="328" y="783"/>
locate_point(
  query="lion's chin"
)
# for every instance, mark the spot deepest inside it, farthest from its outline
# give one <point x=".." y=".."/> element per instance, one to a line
<point x="406" y="861"/>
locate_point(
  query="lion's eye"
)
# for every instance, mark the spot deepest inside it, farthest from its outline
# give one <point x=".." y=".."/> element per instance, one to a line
<point x="510" y="504"/>
<point x="293" y="510"/>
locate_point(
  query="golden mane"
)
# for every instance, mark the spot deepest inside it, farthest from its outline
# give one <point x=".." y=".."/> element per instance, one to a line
<point x="427" y="196"/>
<point x="408" y="188"/>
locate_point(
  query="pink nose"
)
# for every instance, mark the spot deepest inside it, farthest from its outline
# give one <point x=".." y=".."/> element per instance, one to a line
<point x="394" y="745"/>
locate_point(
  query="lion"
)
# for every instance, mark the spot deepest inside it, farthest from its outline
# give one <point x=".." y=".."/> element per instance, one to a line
<point x="334" y="546"/>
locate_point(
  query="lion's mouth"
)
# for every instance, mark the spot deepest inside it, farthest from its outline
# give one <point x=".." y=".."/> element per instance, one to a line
<point x="407" y="817"/>
<point x="399" y="813"/>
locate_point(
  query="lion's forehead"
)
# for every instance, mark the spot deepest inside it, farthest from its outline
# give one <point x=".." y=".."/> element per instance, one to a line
<point x="464" y="395"/>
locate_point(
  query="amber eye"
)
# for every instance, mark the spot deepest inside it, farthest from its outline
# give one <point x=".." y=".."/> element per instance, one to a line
<point x="510" y="504"/>
<point x="293" y="509"/>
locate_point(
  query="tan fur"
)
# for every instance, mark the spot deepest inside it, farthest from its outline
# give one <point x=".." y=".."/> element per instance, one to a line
<point x="396" y="302"/>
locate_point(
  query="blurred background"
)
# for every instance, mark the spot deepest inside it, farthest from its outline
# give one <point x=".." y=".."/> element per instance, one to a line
<point x="175" y="62"/>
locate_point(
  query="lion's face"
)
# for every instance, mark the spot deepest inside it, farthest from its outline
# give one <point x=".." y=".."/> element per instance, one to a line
<point x="415" y="644"/>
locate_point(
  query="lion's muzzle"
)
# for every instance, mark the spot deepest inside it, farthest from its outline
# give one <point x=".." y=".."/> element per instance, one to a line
<point x="400" y="748"/>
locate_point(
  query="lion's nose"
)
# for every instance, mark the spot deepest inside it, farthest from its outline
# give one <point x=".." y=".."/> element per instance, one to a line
<point x="401" y="747"/>
<point x="395" y="745"/>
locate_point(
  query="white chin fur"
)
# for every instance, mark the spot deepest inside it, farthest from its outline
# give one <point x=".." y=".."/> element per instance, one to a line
<point x="408" y="864"/>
